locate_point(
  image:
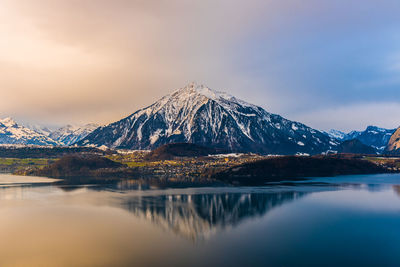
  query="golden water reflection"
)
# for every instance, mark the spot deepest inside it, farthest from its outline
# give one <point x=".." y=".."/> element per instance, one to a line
<point x="122" y="226"/>
<point x="50" y="226"/>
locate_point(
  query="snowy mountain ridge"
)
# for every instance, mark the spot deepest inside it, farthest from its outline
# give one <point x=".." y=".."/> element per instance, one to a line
<point x="38" y="128"/>
<point x="71" y="134"/>
<point x="336" y="134"/>
<point x="13" y="133"/>
<point x="373" y="136"/>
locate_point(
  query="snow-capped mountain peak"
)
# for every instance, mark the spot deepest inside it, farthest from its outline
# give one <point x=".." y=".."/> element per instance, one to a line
<point x="13" y="133"/>
<point x="336" y="134"/>
<point x="66" y="135"/>
<point x="195" y="89"/>
<point x="200" y="89"/>
<point x="71" y="134"/>
<point x="39" y="128"/>
<point x="200" y="115"/>
<point x="8" y="122"/>
<point x="373" y="136"/>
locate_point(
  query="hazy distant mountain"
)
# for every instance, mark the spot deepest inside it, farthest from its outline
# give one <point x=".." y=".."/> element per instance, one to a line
<point x="197" y="114"/>
<point x="13" y="133"/>
<point x="39" y="129"/>
<point x="394" y="143"/>
<point x="373" y="136"/>
<point x="70" y="134"/>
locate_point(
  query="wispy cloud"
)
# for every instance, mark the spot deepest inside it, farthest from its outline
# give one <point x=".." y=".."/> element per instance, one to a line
<point x="98" y="60"/>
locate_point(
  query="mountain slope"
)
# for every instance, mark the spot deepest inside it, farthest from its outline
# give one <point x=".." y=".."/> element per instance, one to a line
<point x="199" y="115"/>
<point x="69" y="134"/>
<point x="394" y="142"/>
<point x="355" y="146"/>
<point x="39" y="129"/>
<point x="12" y="133"/>
<point x="338" y="135"/>
<point x="373" y="136"/>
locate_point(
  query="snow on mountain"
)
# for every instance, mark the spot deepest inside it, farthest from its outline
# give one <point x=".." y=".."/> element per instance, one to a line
<point x="373" y="136"/>
<point x="13" y="133"/>
<point x="39" y="129"/>
<point x="335" y="134"/>
<point x="200" y="115"/>
<point x="70" y="134"/>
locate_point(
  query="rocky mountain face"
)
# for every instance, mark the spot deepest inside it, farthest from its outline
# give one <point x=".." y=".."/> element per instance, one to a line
<point x="197" y="114"/>
<point x="69" y="134"/>
<point x="13" y="133"/>
<point x="373" y="136"/>
<point x="394" y="143"/>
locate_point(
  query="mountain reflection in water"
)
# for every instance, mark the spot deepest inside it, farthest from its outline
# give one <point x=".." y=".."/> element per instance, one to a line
<point x="354" y="218"/>
<point x="199" y="216"/>
<point x="193" y="214"/>
<point x="196" y="214"/>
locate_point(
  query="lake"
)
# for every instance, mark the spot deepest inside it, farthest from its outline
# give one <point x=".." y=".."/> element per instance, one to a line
<point x="348" y="220"/>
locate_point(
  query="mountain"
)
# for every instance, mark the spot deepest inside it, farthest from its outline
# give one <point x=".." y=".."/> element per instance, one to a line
<point x="197" y="114"/>
<point x="355" y="146"/>
<point x="338" y="135"/>
<point x="373" y="136"/>
<point x="39" y="129"/>
<point x="394" y="142"/>
<point x="69" y="134"/>
<point x="13" y="133"/>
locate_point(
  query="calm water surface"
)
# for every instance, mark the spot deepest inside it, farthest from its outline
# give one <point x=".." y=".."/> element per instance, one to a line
<point x="349" y="220"/>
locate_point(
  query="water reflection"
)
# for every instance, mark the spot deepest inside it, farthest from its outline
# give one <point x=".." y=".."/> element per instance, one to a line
<point x="24" y="191"/>
<point x="396" y="189"/>
<point x="199" y="216"/>
<point x="193" y="214"/>
<point x="296" y="225"/>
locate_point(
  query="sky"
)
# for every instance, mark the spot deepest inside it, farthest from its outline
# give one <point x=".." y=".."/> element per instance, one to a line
<point x="328" y="64"/>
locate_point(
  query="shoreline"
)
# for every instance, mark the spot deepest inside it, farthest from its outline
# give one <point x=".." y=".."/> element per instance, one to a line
<point x="248" y="170"/>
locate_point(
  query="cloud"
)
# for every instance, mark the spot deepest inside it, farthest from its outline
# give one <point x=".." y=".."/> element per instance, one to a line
<point x="77" y="61"/>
